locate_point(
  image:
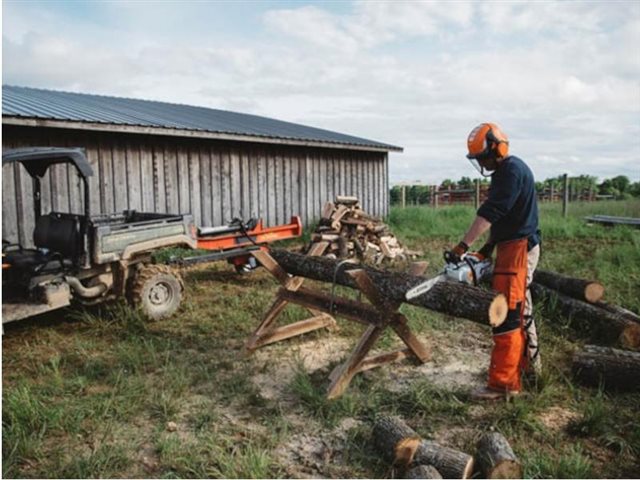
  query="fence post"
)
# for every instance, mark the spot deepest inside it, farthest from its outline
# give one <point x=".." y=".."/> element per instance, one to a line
<point x="404" y="197"/>
<point x="435" y="196"/>
<point x="476" y="202"/>
<point x="551" y="194"/>
<point x="565" y="195"/>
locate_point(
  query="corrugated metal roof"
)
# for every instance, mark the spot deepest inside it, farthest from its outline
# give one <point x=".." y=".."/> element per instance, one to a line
<point x="37" y="103"/>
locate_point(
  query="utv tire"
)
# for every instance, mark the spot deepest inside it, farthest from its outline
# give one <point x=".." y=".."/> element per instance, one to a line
<point x="156" y="290"/>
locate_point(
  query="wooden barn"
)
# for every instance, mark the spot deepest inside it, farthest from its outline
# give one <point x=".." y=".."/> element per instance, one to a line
<point x="163" y="157"/>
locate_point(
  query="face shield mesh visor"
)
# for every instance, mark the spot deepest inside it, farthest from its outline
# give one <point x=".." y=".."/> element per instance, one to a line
<point x="478" y="166"/>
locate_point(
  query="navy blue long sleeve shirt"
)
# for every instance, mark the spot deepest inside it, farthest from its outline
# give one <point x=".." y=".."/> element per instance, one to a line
<point x="512" y="207"/>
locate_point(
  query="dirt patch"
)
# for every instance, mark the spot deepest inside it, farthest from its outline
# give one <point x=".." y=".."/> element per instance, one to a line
<point x="308" y="455"/>
<point x="455" y="363"/>
<point x="281" y="362"/>
<point x="557" y="418"/>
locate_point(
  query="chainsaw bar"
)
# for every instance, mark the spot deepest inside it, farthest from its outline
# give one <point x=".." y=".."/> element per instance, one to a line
<point x="424" y="287"/>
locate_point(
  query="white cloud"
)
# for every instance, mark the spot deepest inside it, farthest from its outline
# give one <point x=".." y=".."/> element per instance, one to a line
<point x="562" y="78"/>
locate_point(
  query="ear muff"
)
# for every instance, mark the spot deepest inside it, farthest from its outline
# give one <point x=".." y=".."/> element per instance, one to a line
<point x="498" y="145"/>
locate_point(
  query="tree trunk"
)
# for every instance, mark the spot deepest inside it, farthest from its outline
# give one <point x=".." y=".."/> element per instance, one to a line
<point x="606" y="326"/>
<point x="496" y="458"/>
<point x="587" y="290"/>
<point x="455" y="299"/>
<point x="401" y="444"/>
<point x="423" y="471"/>
<point x="615" y="369"/>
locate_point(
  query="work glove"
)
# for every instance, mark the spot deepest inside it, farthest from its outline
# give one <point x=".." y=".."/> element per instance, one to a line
<point x="454" y="255"/>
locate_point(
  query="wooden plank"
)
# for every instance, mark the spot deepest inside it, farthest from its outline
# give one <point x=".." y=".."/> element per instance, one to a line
<point x="262" y="185"/>
<point x="324" y="180"/>
<point x="194" y="183"/>
<point x="9" y="205"/>
<point x="336" y="306"/>
<point x="279" y="177"/>
<point x="318" y="180"/>
<point x="147" y="178"/>
<point x="245" y="185"/>
<point x="272" y="188"/>
<point x="216" y="173"/>
<point x="383" y="358"/>
<point x="266" y="324"/>
<point x="294" y="330"/>
<point x="205" y="186"/>
<point x="93" y="157"/>
<point x="301" y="185"/>
<point x="294" y="207"/>
<point x="184" y="190"/>
<point x="225" y="181"/>
<point x="421" y="352"/>
<point x="350" y="367"/>
<point x="254" y="183"/>
<point x="134" y="181"/>
<point x="286" y="186"/>
<point x="23" y="198"/>
<point x="160" y="196"/>
<point x="236" y="184"/>
<point x="171" y="184"/>
<point x="120" y="190"/>
<point x="308" y="167"/>
<point x="385" y="190"/>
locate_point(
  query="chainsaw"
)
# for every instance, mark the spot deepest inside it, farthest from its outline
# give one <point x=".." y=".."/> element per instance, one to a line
<point x="469" y="270"/>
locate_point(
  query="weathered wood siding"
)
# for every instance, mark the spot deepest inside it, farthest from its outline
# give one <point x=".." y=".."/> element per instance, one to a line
<point x="214" y="180"/>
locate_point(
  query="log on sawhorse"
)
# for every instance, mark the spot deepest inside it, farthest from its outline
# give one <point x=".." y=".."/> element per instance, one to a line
<point x="378" y="315"/>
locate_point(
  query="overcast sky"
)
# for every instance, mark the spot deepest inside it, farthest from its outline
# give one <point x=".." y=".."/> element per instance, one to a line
<point x="562" y="79"/>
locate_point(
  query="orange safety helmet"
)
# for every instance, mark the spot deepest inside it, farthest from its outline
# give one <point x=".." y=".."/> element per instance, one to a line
<point x="485" y="139"/>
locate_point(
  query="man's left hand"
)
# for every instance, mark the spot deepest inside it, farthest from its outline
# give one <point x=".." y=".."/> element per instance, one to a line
<point x="454" y="255"/>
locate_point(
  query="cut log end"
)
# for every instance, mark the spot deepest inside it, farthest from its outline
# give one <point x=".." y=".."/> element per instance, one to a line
<point x="630" y="337"/>
<point x="498" y="310"/>
<point x="506" y="469"/>
<point x="405" y="450"/>
<point x="594" y="292"/>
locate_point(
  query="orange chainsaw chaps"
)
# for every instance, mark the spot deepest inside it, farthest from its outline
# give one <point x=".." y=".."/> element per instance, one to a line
<point x="510" y="271"/>
<point x="506" y="358"/>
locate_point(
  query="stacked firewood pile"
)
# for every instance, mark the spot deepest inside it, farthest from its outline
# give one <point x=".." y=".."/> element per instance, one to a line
<point x="352" y="233"/>
<point x="609" y="324"/>
<point x="415" y="457"/>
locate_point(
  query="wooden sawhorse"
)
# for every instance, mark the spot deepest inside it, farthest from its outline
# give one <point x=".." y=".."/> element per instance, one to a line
<point x="378" y="315"/>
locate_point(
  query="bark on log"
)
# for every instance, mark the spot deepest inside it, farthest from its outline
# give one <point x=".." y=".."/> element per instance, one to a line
<point x="586" y="290"/>
<point x="402" y="445"/>
<point x="395" y="440"/>
<point x="423" y="471"/>
<point x="617" y="310"/>
<point x="496" y="458"/>
<point x="455" y="299"/>
<point x="615" y="369"/>
<point x="605" y="326"/>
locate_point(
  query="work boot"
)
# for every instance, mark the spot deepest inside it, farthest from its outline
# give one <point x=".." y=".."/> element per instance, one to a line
<point x="486" y="394"/>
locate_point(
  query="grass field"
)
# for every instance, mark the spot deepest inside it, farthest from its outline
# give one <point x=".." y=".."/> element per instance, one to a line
<point x="102" y="393"/>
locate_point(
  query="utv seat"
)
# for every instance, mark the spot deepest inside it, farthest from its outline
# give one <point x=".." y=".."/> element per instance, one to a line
<point x="59" y="233"/>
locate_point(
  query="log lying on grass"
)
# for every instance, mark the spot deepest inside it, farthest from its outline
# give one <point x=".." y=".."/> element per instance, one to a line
<point x="609" y="326"/>
<point x="617" y="310"/>
<point x="614" y="369"/>
<point x="587" y="290"/>
<point x="402" y="446"/>
<point x="423" y="471"/>
<point x="496" y="458"/>
<point x="455" y="299"/>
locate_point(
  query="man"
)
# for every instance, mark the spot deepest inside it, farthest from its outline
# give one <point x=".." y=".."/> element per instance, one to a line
<point x="511" y="215"/>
